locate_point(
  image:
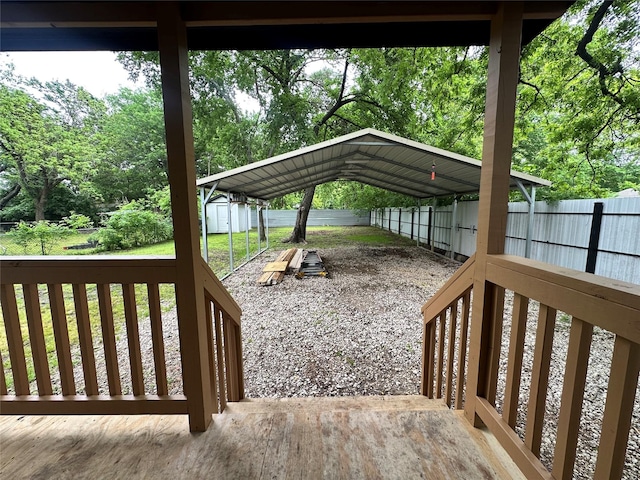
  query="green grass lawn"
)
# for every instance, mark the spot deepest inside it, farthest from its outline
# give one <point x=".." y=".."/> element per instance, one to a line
<point x="317" y="238"/>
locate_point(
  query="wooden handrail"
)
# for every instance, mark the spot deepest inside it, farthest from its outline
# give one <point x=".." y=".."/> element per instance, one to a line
<point x="609" y="304"/>
<point x="459" y="283"/>
<point x="86" y="269"/>
<point x="219" y="294"/>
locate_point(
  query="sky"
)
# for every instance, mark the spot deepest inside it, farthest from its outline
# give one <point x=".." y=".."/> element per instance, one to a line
<point x="98" y="72"/>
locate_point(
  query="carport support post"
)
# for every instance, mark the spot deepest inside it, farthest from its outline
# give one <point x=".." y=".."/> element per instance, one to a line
<point x="203" y="215"/>
<point x="247" y="206"/>
<point x="531" y="200"/>
<point x="230" y="230"/>
<point x="453" y="226"/>
<point x="204" y="199"/>
<point x="267" y="225"/>
<point x="258" y="217"/>
<point x="418" y="236"/>
<point x="532" y="211"/>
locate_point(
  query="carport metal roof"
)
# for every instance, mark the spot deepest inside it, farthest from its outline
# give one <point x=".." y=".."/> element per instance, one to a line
<point x="368" y="156"/>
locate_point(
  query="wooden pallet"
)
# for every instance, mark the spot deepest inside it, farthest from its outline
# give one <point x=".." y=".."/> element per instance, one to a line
<point x="273" y="273"/>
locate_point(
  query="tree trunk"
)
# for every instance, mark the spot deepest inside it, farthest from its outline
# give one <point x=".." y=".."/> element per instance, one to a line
<point x="299" y="233"/>
<point x="40" y="203"/>
<point x="263" y="233"/>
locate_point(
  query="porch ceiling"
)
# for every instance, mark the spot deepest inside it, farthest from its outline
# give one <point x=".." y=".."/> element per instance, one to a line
<point x="216" y="25"/>
<point x="368" y="156"/>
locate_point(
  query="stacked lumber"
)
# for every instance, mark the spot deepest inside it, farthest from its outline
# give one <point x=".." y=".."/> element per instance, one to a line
<point x="273" y="273"/>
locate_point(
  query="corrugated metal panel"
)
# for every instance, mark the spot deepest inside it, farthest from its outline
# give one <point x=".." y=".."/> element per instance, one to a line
<point x="560" y="234"/>
<point x="368" y="156"/>
<point x="287" y="218"/>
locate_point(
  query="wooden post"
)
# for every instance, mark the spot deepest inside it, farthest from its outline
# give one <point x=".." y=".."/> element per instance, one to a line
<point x="504" y="57"/>
<point x="172" y="42"/>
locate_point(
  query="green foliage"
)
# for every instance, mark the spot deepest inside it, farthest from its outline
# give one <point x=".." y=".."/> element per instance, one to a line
<point x="130" y="227"/>
<point x="77" y="220"/>
<point x="44" y="234"/>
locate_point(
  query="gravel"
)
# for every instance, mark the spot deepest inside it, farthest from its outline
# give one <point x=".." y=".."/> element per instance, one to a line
<point x="359" y="332"/>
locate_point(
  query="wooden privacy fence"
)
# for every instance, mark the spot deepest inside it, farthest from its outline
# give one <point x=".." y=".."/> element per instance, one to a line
<point x="592" y="302"/>
<point x="137" y="284"/>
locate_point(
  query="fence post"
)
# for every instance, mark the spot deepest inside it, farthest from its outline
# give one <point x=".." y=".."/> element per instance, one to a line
<point x="399" y="221"/>
<point x="429" y="227"/>
<point x="413" y="219"/>
<point x="594" y="237"/>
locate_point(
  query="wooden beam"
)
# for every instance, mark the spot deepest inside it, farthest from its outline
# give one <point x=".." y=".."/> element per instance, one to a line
<point x="504" y="59"/>
<point x="58" y="14"/>
<point x="172" y="40"/>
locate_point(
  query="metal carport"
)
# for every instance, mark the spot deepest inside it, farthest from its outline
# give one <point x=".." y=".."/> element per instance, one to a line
<point x="368" y="156"/>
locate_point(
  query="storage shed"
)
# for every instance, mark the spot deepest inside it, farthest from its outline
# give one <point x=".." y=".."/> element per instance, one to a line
<point x="218" y="215"/>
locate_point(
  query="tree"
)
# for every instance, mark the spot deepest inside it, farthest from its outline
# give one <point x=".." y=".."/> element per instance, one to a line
<point x="42" y="143"/>
<point x="133" y="152"/>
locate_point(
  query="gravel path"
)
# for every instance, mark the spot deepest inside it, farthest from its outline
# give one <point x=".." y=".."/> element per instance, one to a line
<point x="358" y="332"/>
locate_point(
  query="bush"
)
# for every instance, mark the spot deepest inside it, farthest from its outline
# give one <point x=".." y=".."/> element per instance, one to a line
<point x="129" y="228"/>
<point x="44" y="234"/>
<point x="77" y="220"/>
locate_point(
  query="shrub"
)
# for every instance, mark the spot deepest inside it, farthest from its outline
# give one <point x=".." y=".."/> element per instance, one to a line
<point x="129" y="228"/>
<point x="43" y="234"/>
<point x="77" y="220"/>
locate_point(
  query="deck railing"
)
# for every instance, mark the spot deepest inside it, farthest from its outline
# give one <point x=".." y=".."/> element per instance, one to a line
<point x="591" y="302"/>
<point x="58" y="287"/>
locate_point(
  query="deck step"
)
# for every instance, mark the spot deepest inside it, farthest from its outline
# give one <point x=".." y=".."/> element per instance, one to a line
<point x="372" y="403"/>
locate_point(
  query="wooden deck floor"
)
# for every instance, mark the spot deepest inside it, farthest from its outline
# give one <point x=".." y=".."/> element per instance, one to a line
<point x="398" y="437"/>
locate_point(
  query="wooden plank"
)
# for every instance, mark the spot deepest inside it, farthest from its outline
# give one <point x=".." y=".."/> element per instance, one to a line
<point x="276" y="267"/>
<point x="453" y="321"/>
<point x="36" y="337"/>
<point x="514" y="360"/>
<point x="575" y="376"/>
<point x="497" y="312"/>
<point x="3" y="380"/>
<point x="93" y="405"/>
<point x="231" y="359"/>
<point x="296" y="261"/>
<point x="265" y="278"/>
<point x="87" y="269"/>
<point x="61" y="336"/>
<point x="455" y="287"/>
<point x="133" y="338"/>
<point x="218" y="292"/>
<point x="528" y="463"/>
<point x="212" y="351"/>
<point x="109" y="338"/>
<point x="426" y="377"/>
<point x="618" y="410"/>
<point x="157" y="339"/>
<point x="439" y="374"/>
<point x="190" y="279"/>
<point x="539" y="378"/>
<point x="222" y="392"/>
<point x="14" y="339"/>
<point x="585" y="304"/>
<point x="85" y="339"/>
<point x="462" y="352"/>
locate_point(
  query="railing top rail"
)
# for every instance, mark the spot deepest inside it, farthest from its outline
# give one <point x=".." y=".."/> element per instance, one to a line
<point x="617" y="291"/>
<point x="609" y="304"/>
<point x="455" y="287"/>
<point x="87" y="269"/>
<point x="219" y="294"/>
